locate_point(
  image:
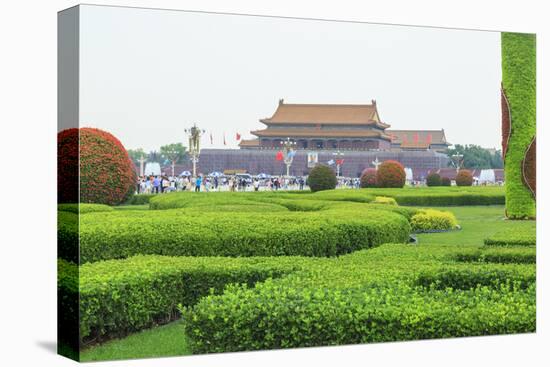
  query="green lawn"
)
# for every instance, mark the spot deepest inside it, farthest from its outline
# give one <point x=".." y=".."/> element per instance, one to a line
<point x="477" y="222"/>
<point x="162" y="341"/>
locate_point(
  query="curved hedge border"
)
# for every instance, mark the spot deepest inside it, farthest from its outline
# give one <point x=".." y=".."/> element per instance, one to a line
<point x="328" y="231"/>
<point x="509" y="255"/>
<point x="121" y="296"/>
<point x="84" y="208"/>
<point x="513" y="237"/>
<point x="519" y="88"/>
<point x="348" y="301"/>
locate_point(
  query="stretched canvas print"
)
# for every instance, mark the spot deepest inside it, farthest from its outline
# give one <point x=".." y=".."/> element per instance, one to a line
<point x="238" y="183"/>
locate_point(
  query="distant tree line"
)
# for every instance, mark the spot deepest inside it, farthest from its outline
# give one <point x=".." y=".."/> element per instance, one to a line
<point x="168" y="154"/>
<point x="476" y="157"/>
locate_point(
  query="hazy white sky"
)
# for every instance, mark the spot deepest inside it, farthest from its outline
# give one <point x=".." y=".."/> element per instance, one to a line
<point x="146" y="75"/>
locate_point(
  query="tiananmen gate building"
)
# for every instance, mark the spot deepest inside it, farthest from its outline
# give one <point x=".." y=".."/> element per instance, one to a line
<point x="355" y="132"/>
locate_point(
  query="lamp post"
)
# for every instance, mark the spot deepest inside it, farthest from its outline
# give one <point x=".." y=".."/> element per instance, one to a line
<point x="457" y="160"/>
<point x="376" y="163"/>
<point x="288" y="153"/>
<point x="338" y="155"/>
<point x="172" y="156"/>
<point x="141" y="161"/>
<point x="194" y="134"/>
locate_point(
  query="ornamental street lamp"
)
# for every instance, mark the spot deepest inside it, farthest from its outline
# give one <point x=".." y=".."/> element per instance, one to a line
<point x="288" y="153"/>
<point x="141" y="161"/>
<point x="338" y="155"/>
<point x="194" y="134"/>
<point x="457" y="161"/>
<point x="173" y="156"/>
<point x="376" y="163"/>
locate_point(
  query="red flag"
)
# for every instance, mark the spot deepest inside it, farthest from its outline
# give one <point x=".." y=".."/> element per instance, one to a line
<point x="339" y="162"/>
<point x="224" y="142"/>
<point x="238" y="136"/>
<point x="279" y="156"/>
<point x="429" y="139"/>
<point x="211" y="139"/>
<point x="415" y="138"/>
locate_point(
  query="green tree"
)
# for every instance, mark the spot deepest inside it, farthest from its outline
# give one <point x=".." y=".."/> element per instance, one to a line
<point x="173" y="153"/>
<point x="136" y="154"/>
<point x="475" y="156"/>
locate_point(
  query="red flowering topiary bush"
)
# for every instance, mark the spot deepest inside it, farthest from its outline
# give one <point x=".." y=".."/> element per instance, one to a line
<point x="464" y="178"/>
<point x="67" y="166"/>
<point x="390" y="174"/>
<point x="368" y="178"/>
<point x="107" y="175"/>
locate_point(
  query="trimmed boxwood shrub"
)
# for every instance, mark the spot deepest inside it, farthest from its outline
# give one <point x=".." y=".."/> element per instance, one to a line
<point x="505" y="255"/>
<point x="368" y="178"/>
<point x="368" y="296"/>
<point x="140" y="199"/>
<point x="106" y="173"/>
<point x="321" y="178"/>
<point x="328" y="231"/>
<point x="390" y="174"/>
<point x="430" y="220"/>
<point x="513" y="237"/>
<point x="84" y="208"/>
<point x="433" y="179"/>
<point x="121" y="296"/>
<point x="384" y="200"/>
<point x="469" y="277"/>
<point x="519" y="91"/>
<point x="464" y="178"/>
<point x="445" y="181"/>
<point x="67" y="236"/>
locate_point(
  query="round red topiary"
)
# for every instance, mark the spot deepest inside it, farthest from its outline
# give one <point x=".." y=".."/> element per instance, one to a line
<point x="464" y="178"/>
<point x="67" y="166"/>
<point x="368" y="178"/>
<point x="390" y="174"/>
<point x="107" y="175"/>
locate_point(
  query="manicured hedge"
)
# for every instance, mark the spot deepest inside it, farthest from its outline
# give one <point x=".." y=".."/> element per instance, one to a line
<point x="84" y="208"/>
<point x="321" y="178"/>
<point x="442" y="196"/>
<point x="67" y="236"/>
<point x="121" y="296"/>
<point x="367" y="296"/>
<point x="513" y="237"/>
<point x="430" y="220"/>
<point x="505" y="255"/>
<point x="469" y="277"/>
<point x="433" y="179"/>
<point x="519" y="86"/>
<point x="191" y="232"/>
<point x="139" y="199"/>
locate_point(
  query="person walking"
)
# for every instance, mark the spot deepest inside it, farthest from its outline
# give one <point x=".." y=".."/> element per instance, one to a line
<point x="198" y="183"/>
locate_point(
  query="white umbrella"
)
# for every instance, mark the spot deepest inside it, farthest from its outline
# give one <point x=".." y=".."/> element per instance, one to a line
<point x="185" y="173"/>
<point x="216" y="174"/>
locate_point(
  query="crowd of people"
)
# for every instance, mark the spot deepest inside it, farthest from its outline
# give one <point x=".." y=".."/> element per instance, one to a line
<point x="162" y="184"/>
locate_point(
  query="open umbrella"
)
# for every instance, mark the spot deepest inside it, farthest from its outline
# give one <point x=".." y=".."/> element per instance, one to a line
<point x="185" y="173"/>
<point x="215" y="174"/>
<point x="263" y="176"/>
